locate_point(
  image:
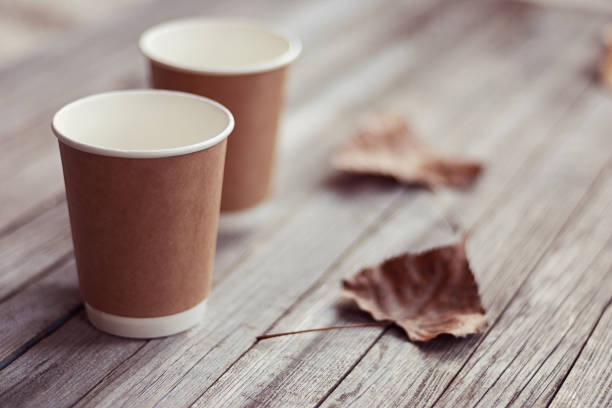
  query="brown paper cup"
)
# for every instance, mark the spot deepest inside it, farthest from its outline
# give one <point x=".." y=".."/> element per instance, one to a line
<point x="143" y="171"/>
<point x="242" y="65"/>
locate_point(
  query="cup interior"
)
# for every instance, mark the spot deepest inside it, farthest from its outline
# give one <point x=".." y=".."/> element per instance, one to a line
<point x="142" y="123"/>
<point x="218" y="46"/>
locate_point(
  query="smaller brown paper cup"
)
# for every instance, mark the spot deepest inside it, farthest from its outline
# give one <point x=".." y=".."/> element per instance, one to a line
<point x="242" y="65"/>
<point x="143" y="171"/>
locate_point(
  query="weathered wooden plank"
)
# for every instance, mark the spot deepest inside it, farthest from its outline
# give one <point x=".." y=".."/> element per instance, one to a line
<point x="33" y="248"/>
<point x="589" y="383"/>
<point x="27" y="313"/>
<point x="102" y="355"/>
<point x="530" y="349"/>
<point x="541" y="203"/>
<point x="299" y="370"/>
<point x="308" y="221"/>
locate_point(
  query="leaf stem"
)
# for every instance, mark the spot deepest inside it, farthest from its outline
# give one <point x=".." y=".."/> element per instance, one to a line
<point x="350" y="326"/>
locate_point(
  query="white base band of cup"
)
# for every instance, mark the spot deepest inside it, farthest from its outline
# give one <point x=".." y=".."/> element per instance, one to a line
<point x="146" y="327"/>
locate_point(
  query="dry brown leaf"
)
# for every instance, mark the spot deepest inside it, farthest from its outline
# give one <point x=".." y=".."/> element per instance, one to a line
<point x="426" y="294"/>
<point x="388" y="147"/>
<point x="605" y="65"/>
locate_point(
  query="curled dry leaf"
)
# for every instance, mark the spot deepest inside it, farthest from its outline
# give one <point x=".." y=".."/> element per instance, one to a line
<point x="388" y="147"/>
<point x="426" y="294"/>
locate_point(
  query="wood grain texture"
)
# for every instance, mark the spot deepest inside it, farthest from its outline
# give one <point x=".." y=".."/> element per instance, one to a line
<point x="589" y="383"/>
<point x="487" y="79"/>
<point x="34" y="247"/>
<point x="550" y="317"/>
<point x="79" y="348"/>
<point x="28" y="314"/>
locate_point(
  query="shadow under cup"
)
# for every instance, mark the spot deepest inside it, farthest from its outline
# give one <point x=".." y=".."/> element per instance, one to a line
<point x="242" y="65"/>
<point x="143" y="172"/>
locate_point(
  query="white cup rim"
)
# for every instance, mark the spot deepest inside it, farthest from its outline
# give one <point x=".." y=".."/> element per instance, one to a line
<point x="144" y="153"/>
<point x="294" y="46"/>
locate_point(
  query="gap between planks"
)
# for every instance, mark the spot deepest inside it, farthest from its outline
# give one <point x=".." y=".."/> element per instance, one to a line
<point x="563" y="393"/>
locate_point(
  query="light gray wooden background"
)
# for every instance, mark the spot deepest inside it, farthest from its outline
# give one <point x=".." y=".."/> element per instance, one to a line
<point x="509" y="82"/>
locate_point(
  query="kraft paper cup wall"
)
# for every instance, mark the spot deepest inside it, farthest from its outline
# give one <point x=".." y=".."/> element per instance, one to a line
<point x="143" y="172"/>
<point x="242" y="65"/>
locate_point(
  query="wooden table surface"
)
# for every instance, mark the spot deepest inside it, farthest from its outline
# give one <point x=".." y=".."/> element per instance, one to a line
<point x="508" y="82"/>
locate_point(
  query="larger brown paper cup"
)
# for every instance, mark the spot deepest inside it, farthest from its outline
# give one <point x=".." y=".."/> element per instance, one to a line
<point x="242" y="65"/>
<point x="143" y="171"/>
